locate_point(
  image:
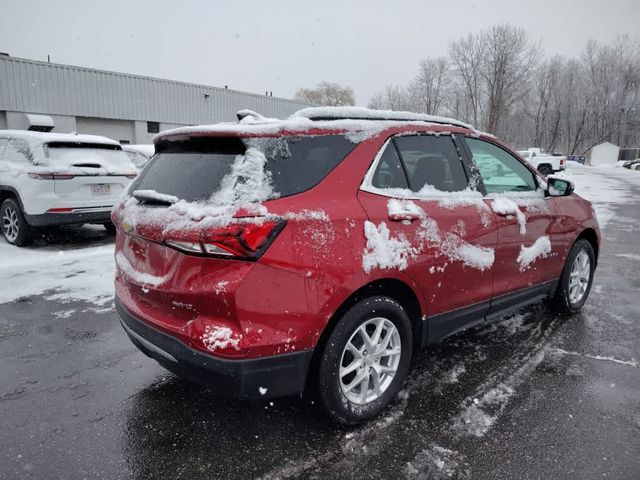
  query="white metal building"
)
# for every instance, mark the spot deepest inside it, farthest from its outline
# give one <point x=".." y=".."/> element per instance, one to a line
<point x="605" y="153"/>
<point x="128" y="108"/>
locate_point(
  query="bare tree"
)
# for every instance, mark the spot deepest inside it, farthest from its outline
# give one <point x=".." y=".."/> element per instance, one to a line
<point x="429" y="89"/>
<point x="498" y="80"/>
<point x="326" y="93"/>
<point x="467" y="57"/>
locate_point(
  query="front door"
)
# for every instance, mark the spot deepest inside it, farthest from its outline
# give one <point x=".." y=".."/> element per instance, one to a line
<point x="524" y="252"/>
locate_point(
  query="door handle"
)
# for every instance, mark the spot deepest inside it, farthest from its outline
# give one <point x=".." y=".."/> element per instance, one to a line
<point x="402" y="216"/>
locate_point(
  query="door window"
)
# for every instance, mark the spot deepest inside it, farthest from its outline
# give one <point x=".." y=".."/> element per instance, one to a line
<point x="17" y="151"/>
<point x="432" y="161"/>
<point x="389" y="173"/>
<point x="500" y="171"/>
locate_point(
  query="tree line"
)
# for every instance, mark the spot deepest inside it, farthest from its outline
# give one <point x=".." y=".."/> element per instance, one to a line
<point x="500" y="81"/>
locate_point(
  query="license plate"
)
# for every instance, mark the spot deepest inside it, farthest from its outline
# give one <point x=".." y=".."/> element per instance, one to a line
<point x="100" y="189"/>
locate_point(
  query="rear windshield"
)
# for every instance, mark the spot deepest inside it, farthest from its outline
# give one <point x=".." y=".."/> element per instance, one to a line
<point x="85" y="154"/>
<point x="201" y="169"/>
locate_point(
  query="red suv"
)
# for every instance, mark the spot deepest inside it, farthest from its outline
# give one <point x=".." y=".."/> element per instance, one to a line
<point x="267" y="256"/>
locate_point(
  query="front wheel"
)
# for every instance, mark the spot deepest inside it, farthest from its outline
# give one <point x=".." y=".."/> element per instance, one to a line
<point x="366" y="360"/>
<point x="575" y="282"/>
<point x="15" y="228"/>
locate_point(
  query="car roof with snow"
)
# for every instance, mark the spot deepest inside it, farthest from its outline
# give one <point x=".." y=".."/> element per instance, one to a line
<point x="315" y="120"/>
<point x="39" y="138"/>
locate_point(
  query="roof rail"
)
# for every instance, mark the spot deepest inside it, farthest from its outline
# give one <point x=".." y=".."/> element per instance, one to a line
<point x="361" y="113"/>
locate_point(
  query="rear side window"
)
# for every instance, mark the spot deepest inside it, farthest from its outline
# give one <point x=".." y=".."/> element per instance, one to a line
<point x="17" y="151"/>
<point x="389" y="173"/>
<point x="432" y="161"/>
<point x="194" y="170"/>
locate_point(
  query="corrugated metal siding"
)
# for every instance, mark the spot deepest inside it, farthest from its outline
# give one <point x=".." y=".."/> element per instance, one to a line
<point x="39" y="87"/>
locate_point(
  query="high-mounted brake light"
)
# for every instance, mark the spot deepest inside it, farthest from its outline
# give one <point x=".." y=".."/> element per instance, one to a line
<point x="243" y="240"/>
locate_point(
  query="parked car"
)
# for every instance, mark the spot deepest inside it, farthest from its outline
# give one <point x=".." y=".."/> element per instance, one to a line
<point x="53" y="179"/>
<point x="321" y="252"/>
<point x="544" y="162"/>
<point x="139" y="154"/>
<point x="632" y="164"/>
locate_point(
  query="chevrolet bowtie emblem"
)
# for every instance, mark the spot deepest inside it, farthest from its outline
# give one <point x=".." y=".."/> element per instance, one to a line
<point x="127" y="227"/>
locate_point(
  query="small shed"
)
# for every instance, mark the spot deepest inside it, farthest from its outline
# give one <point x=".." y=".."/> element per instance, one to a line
<point x="605" y="153"/>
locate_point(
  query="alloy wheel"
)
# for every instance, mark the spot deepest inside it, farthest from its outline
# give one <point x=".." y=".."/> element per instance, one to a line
<point x="370" y="360"/>
<point x="579" y="277"/>
<point x="10" y="226"/>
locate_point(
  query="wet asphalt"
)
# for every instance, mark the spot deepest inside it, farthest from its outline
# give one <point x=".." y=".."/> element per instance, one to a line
<point x="530" y="397"/>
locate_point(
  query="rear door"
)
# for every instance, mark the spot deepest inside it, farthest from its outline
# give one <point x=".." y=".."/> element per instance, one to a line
<point x="524" y="251"/>
<point x="419" y="190"/>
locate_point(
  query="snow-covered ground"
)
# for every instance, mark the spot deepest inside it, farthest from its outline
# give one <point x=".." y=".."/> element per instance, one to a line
<point x="85" y="273"/>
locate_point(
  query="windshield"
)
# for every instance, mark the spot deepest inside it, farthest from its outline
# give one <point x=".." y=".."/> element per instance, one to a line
<point x="232" y="170"/>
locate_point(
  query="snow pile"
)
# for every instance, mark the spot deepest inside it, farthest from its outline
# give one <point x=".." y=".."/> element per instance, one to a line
<point x="362" y="113"/>
<point x="215" y="338"/>
<point x="454" y="247"/>
<point x="541" y="248"/>
<point x="476" y="418"/>
<point x="80" y="275"/>
<point x="139" y="277"/>
<point x="153" y="195"/>
<point x="383" y="251"/>
<point x="437" y="462"/>
<point x="248" y="181"/>
<point x="503" y="205"/>
<point x="399" y="208"/>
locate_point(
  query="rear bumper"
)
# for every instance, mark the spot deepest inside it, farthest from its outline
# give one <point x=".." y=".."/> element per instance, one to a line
<point x="71" y="218"/>
<point x="265" y="377"/>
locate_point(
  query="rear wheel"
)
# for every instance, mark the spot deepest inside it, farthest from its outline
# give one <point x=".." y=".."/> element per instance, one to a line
<point x="545" y="170"/>
<point x="576" y="280"/>
<point x="15" y="228"/>
<point x="365" y="360"/>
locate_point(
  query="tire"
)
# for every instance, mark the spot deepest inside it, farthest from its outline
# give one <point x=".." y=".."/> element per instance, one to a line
<point x="545" y="170"/>
<point x="15" y="228"/>
<point x="348" y="407"/>
<point x="110" y="228"/>
<point x="567" y="300"/>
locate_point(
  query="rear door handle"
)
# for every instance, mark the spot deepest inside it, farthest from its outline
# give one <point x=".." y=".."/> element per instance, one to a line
<point x="402" y="216"/>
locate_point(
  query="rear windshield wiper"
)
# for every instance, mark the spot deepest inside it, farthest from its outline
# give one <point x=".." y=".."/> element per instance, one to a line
<point x="151" y="197"/>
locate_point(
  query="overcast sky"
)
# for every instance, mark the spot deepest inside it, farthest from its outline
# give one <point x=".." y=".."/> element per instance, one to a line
<point x="283" y="45"/>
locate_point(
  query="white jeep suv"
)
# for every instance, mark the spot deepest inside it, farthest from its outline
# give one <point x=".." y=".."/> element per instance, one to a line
<point x="51" y="179"/>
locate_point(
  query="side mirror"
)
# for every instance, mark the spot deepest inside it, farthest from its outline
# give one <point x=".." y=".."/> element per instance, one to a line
<point x="558" y="187"/>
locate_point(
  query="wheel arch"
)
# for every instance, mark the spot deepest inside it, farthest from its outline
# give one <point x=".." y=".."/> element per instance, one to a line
<point x="391" y="287"/>
<point x="589" y="234"/>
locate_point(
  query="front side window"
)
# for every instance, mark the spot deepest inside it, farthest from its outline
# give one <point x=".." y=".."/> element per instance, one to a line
<point x="432" y="162"/>
<point x="500" y="171"/>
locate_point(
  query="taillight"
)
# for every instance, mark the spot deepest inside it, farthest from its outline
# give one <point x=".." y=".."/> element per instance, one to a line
<point x="51" y="176"/>
<point x="243" y="240"/>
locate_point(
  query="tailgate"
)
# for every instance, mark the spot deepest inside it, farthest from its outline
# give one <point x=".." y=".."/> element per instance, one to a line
<point x="107" y="188"/>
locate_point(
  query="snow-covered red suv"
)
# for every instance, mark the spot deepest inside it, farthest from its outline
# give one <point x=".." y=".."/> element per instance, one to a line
<point x="53" y="179"/>
<point x="268" y="256"/>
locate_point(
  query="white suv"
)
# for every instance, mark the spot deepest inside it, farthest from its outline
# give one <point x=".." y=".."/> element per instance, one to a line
<point x="51" y="179"/>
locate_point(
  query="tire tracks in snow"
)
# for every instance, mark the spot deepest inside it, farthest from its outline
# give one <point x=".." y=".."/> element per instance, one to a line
<point x="429" y="450"/>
